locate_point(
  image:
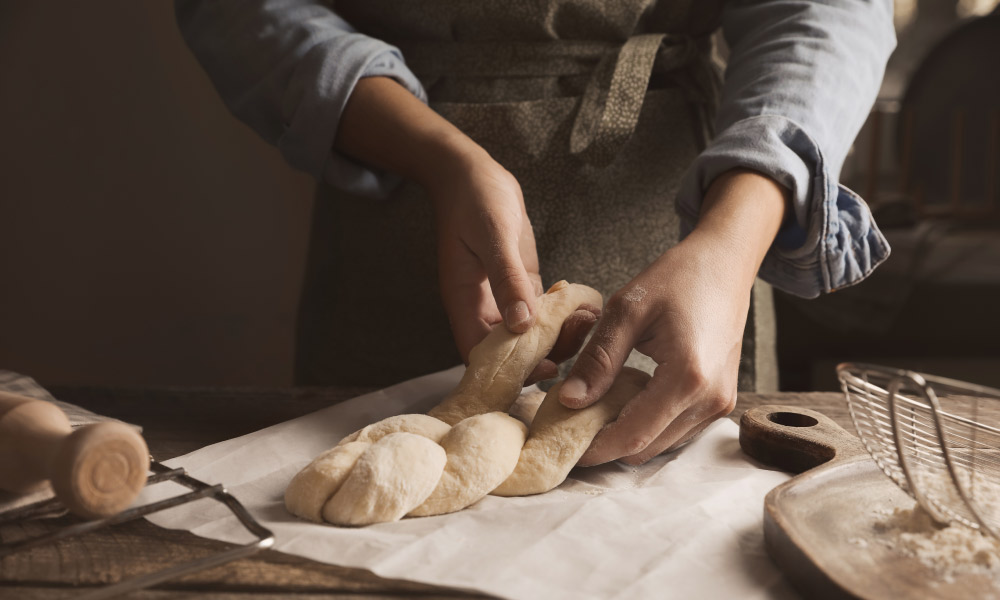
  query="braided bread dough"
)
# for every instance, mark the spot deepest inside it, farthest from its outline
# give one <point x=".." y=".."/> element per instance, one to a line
<point x="392" y="476"/>
<point x="482" y="452"/>
<point x="559" y="436"/>
<point x="319" y="480"/>
<point x="467" y="446"/>
<point x="310" y="489"/>
<point x="500" y="363"/>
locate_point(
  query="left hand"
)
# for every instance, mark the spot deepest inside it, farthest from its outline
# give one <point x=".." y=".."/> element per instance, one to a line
<point x="686" y="311"/>
<point x="486" y="247"/>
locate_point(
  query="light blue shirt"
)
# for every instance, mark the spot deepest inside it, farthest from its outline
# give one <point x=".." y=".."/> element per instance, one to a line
<point x="799" y="83"/>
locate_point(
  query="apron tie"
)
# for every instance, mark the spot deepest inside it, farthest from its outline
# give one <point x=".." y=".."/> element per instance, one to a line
<point x="611" y="102"/>
<point x="619" y="76"/>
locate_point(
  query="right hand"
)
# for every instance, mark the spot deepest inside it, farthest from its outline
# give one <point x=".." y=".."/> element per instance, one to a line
<point x="487" y="259"/>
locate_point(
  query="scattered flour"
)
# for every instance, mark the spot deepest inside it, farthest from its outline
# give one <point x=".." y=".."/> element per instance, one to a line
<point x="635" y="294"/>
<point x="950" y="551"/>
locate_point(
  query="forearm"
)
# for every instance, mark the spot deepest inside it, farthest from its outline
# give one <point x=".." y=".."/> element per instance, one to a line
<point x="800" y="80"/>
<point x="385" y="126"/>
<point x="482" y="227"/>
<point x="286" y="68"/>
<point x="740" y="217"/>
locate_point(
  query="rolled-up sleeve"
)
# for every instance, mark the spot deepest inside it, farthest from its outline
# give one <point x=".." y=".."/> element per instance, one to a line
<point x="801" y="79"/>
<point x="286" y="68"/>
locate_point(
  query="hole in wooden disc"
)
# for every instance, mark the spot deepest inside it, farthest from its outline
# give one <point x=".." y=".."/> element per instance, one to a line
<point x="790" y="419"/>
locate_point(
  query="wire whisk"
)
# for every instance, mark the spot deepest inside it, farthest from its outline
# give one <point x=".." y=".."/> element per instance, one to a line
<point x="937" y="438"/>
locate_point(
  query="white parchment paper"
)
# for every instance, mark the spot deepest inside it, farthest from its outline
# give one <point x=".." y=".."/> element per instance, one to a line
<point x="687" y="525"/>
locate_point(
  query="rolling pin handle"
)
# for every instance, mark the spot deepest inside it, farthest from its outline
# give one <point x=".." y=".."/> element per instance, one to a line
<point x="100" y="469"/>
<point x="95" y="471"/>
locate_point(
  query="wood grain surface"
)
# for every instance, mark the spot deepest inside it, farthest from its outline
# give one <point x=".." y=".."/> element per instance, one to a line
<point x="822" y="526"/>
<point x="179" y="420"/>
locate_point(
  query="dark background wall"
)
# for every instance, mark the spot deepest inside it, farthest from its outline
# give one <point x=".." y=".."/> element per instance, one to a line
<point x="146" y="236"/>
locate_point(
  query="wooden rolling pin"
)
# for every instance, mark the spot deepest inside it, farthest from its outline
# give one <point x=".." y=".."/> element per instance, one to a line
<point x="95" y="471"/>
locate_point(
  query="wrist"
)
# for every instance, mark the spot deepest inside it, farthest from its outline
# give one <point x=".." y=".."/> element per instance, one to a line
<point x="386" y="126"/>
<point x="742" y="212"/>
<point x="450" y="159"/>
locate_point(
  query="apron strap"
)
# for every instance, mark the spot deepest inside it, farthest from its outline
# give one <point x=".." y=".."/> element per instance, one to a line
<point x="610" y="106"/>
<point x="619" y="76"/>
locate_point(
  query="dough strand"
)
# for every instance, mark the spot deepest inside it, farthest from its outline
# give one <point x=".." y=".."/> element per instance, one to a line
<point x="467" y="446"/>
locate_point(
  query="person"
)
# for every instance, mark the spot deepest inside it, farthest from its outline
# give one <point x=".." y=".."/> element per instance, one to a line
<point x="467" y="151"/>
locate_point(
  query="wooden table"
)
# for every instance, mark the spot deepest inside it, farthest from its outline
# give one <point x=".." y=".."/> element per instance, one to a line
<point x="180" y="420"/>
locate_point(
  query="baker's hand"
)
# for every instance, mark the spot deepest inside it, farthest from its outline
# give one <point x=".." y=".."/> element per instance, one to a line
<point x="488" y="264"/>
<point x="687" y="312"/>
<point x="487" y="259"/>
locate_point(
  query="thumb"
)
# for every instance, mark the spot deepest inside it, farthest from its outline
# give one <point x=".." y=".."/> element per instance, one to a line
<point x="600" y="361"/>
<point x="512" y="287"/>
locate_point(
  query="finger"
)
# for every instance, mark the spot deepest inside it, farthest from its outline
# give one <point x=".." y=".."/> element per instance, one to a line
<point x="673" y="437"/>
<point x="573" y="333"/>
<point x="536" y="283"/>
<point x="513" y="288"/>
<point x="467" y="298"/>
<point x="602" y="358"/>
<point x="687" y="424"/>
<point x="643" y="419"/>
<point x="468" y="332"/>
<point x="545" y="370"/>
<point x="529" y="256"/>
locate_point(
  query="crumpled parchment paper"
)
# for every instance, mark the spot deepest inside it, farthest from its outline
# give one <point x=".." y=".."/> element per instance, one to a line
<point x="685" y="525"/>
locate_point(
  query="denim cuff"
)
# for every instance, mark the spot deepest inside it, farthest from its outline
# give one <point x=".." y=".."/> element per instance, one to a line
<point x="307" y="142"/>
<point x="831" y="240"/>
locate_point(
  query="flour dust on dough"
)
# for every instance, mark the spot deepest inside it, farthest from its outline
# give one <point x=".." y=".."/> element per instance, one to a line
<point x="467" y="446"/>
<point x="391" y="478"/>
<point x="482" y="452"/>
<point x="319" y="480"/>
<point x="559" y="436"/>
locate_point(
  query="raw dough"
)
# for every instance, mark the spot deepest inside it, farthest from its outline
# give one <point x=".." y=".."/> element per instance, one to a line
<point x="392" y="477"/>
<point x="559" y="436"/>
<point x="526" y="406"/>
<point x="423" y="465"/>
<point x="422" y="425"/>
<point x="500" y="363"/>
<point x="320" y="479"/>
<point x="482" y="452"/>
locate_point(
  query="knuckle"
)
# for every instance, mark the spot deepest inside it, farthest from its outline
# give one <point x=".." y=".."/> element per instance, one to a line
<point x="595" y="357"/>
<point x="638" y="443"/>
<point x="720" y="405"/>
<point x="630" y="300"/>
<point x="696" y="378"/>
<point x="620" y="308"/>
<point x="505" y="180"/>
<point x="507" y="277"/>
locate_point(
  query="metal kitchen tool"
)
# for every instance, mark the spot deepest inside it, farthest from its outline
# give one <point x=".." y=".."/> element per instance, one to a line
<point x="820" y="527"/>
<point x="929" y="435"/>
<point x="159" y="473"/>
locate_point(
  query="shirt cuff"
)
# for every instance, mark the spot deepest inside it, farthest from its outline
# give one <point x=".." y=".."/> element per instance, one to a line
<point x="830" y="242"/>
<point x="307" y="142"/>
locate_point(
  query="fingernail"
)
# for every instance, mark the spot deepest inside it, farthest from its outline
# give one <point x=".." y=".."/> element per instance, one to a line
<point x="573" y="392"/>
<point x="517" y="313"/>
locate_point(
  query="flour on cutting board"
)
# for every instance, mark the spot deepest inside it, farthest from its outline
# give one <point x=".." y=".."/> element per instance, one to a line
<point x="950" y="551"/>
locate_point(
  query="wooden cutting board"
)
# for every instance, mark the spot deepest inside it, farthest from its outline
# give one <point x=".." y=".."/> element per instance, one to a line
<point x="819" y="527"/>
